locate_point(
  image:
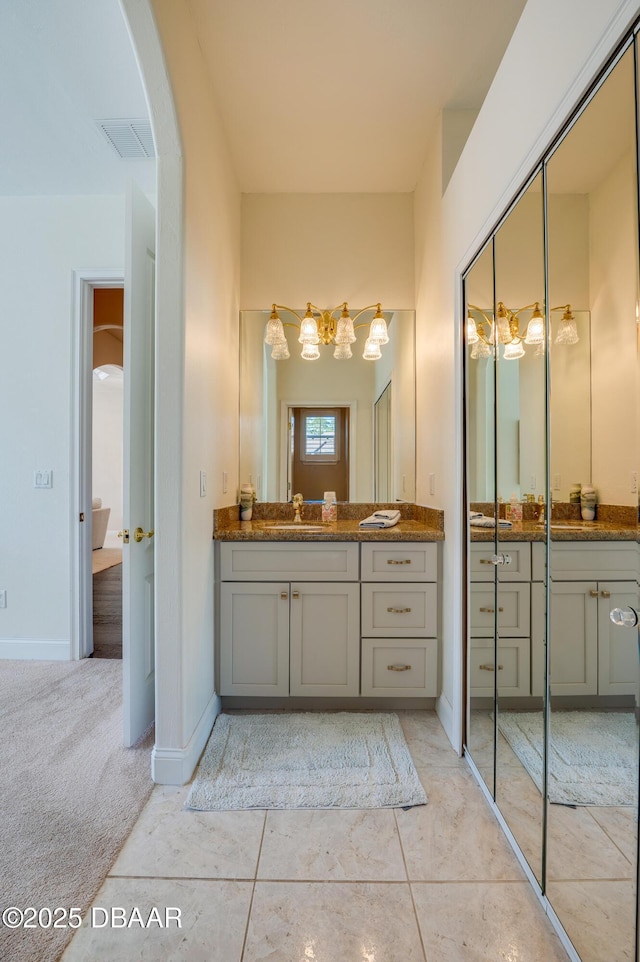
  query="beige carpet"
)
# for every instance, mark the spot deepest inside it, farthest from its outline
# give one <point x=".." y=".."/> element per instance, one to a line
<point x="69" y="792"/>
<point x="103" y="558"/>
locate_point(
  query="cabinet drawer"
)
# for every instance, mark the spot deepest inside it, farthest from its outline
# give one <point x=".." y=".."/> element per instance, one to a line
<point x="402" y="562"/>
<point x="514" y="610"/>
<point x="519" y="568"/>
<point x="393" y="667"/>
<point x="514" y="672"/>
<point x="289" y="561"/>
<point x="600" y="560"/>
<point x="399" y="610"/>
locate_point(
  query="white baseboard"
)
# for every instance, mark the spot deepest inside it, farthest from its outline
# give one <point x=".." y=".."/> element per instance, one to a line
<point x="41" y="650"/>
<point x="175" y="766"/>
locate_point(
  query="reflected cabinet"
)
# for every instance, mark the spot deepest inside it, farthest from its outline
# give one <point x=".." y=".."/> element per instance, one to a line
<point x="552" y="421"/>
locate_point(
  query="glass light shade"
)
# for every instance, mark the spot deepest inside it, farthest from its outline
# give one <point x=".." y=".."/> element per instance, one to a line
<point x="513" y="351"/>
<point x="310" y="352"/>
<point x="502" y="319"/>
<point x="535" y="328"/>
<point x="472" y="331"/>
<point x="345" y="333"/>
<point x="539" y="351"/>
<point x="568" y="330"/>
<point x="372" y="350"/>
<point x="280" y="352"/>
<point x="274" y="331"/>
<point x="342" y="352"/>
<point x="481" y="349"/>
<point x="378" y="331"/>
<point x="309" y="331"/>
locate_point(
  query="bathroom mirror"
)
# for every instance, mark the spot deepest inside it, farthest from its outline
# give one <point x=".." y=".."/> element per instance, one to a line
<point x="375" y="401"/>
<point x="554" y="732"/>
<point x="593" y="666"/>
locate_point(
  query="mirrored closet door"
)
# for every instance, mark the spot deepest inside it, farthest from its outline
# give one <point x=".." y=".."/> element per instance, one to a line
<point x="552" y="385"/>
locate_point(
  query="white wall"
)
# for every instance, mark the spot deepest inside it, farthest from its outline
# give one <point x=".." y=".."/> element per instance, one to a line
<point x="42" y="240"/>
<point x="528" y="108"/>
<point x="106" y="446"/>
<point x="613" y="283"/>
<point x="205" y="374"/>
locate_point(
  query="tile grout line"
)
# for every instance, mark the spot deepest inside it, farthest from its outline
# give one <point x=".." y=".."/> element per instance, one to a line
<point x="408" y="883"/>
<point x="253" y="890"/>
<point x="607" y="833"/>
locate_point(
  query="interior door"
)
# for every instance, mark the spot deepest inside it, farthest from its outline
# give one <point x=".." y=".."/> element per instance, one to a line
<point x="320" y="458"/>
<point x="138" y="633"/>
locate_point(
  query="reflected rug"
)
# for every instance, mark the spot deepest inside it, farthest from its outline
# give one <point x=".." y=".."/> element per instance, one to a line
<point x="306" y="760"/>
<point x="593" y="755"/>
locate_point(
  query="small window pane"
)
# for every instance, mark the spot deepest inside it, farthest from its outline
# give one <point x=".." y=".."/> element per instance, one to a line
<point x="320" y="435"/>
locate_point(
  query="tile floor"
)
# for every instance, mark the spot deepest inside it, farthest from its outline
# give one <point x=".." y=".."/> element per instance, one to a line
<point x="437" y="883"/>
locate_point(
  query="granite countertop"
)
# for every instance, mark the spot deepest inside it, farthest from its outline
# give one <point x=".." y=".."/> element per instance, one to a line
<point x="562" y="530"/>
<point x="417" y="523"/>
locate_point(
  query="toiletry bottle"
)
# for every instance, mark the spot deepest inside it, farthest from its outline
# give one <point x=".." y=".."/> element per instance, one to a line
<point x="329" y="507"/>
<point x="574" y="493"/>
<point x="541" y="509"/>
<point x="516" y="509"/>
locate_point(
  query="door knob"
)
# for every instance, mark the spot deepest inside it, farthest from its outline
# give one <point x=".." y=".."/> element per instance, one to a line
<point x="139" y="534"/>
<point x="624" y="617"/>
<point x="501" y="559"/>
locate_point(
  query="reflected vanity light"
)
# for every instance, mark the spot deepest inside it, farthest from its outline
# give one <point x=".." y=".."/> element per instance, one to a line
<point x="323" y="327"/>
<point x="481" y="335"/>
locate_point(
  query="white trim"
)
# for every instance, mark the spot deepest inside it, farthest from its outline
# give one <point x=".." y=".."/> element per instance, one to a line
<point x="41" y="649"/>
<point x="175" y="766"/>
<point x="84" y="282"/>
<point x="284" y="447"/>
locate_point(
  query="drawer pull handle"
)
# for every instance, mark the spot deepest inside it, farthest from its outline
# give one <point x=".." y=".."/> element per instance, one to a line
<point x="295" y="594"/>
<point x="284" y="595"/>
<point x="593" y="593"/>
<point x="491" y="667"/>
<point x="606" y="594"/>
<point x="399" y="611"/>
<point x="497" y="559"/>
<point x="390" y="561"/>
<point x="486" y="561"/>
<point x="490" y="611"/>
<point x="398" y="667"/>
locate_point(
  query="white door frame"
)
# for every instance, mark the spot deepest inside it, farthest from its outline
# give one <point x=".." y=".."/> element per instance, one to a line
<point x="84" y="283"/>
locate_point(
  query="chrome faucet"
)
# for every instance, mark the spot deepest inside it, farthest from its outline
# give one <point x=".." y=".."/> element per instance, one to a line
<point x="298" y="501"/>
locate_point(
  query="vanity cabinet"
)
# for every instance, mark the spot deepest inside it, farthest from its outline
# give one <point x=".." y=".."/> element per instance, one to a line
<point x="290" y="637"/>
<point x="291" y="617"/>
<point x="513" y="621"/>
<point x="399" y="620"/>
<point x="590" y="656"/>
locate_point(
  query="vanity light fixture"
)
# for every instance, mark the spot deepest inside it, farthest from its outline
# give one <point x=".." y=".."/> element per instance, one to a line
<point x="482" y="334"/>
<point x="324" y="327"/>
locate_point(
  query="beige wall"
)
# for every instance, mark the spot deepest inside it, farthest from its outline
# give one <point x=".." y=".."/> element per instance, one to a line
<point x="327" y="248"/>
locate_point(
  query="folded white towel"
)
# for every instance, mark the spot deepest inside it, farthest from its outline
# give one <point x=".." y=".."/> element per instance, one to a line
<point x="381" y="519"/>
<point x="475" y="514"/>
<point x="483" y="522"/>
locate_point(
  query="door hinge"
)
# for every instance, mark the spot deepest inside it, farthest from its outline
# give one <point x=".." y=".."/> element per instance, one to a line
<point x="82" y="515"/>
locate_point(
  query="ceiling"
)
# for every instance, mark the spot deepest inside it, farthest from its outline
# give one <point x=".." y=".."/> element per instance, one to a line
<point x="342" y="95"/>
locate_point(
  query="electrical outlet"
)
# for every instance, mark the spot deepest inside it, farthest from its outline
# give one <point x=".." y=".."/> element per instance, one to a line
<point x="432" y="484"/>
<point x="634" y="482"/>
<point x="225" y="481"/>
<point x="3" y="598"/>
<point x="556" y="482"/>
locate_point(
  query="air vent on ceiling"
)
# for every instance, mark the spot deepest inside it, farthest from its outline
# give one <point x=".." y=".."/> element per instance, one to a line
<point x="131" y="139"/>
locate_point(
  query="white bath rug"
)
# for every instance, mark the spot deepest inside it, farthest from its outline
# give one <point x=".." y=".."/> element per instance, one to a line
<point x="593" y="755"/>
<point x="306" y="760"/>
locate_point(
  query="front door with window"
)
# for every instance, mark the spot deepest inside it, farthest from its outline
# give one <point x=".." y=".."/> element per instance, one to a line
<point x="320" y="452"/>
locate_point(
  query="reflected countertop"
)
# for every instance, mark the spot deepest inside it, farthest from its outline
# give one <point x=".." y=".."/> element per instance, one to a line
<point x="417" y="523"/>
<point x="561" y="531"/>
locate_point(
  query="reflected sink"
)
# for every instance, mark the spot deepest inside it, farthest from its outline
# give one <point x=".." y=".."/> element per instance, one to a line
<point x="294" y="525"/>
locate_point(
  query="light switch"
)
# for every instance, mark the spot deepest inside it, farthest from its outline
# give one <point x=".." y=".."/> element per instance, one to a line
<point x="203" y="484"/>
<point x="43" y="479"/>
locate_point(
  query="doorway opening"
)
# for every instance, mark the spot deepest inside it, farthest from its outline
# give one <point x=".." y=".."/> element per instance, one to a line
<point x="319" y="452"/>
